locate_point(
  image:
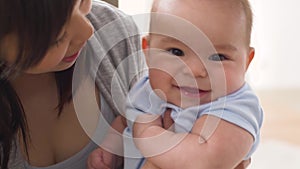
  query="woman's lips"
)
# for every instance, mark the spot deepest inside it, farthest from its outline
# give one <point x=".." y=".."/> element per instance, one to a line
<point x="71" y="58"/>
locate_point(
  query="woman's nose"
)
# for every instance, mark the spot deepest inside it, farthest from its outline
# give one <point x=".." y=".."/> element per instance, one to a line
<point x="83" y="32"/>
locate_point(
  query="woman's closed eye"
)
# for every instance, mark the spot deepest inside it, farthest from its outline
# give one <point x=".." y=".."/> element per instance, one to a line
<point x="60" y="39"/>
<point x="218" y="57"/>
<point x="176" y="51"/>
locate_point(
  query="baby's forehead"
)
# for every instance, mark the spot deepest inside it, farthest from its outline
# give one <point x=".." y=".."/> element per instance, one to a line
<point x="158" y="4"/>
<point x="179" y="32"/>
<point x="216" y="19"/>
<point x="195" y="8"/>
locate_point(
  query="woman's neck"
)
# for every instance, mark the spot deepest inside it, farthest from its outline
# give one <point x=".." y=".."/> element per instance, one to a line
<point x="32" y="84"/>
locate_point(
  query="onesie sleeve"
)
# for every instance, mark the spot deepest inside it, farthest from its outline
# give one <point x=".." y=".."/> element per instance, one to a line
<point x="142" y="99"/>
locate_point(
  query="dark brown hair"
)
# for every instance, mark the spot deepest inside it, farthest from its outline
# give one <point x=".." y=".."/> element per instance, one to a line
<point x="36" y="25"/>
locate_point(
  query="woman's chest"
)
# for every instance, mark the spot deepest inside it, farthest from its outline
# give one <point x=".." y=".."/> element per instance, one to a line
<point x="56" y="138"/>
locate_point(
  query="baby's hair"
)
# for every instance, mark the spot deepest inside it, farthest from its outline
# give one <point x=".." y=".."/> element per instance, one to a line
<point x="245" y="5"/>
<point x="249" y="17"/>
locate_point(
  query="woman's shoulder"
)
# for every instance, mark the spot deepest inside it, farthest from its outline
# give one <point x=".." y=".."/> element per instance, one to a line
<point x="103" y="13"/>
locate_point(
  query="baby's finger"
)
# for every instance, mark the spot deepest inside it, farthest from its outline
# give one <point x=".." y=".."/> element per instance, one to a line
<point x="95" y="164"/>
<point x="95" y="160"/>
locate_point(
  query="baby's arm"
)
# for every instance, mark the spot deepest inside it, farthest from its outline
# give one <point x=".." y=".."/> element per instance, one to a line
<point x="226" y="147"/>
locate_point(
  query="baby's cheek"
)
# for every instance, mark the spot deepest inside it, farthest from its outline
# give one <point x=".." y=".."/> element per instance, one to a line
<point x="234" y="82"/>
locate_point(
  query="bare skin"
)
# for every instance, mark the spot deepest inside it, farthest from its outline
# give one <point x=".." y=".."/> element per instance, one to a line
<point x="52" y="139"/>
<point x="167" y="121"/>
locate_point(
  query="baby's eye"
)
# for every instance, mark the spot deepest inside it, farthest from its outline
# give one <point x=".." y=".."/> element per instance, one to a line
<point x="217" y="57"/>
<point x="176" y="51"/>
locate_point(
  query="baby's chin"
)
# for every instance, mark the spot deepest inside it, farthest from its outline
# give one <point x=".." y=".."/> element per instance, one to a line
<point x="186" y="103"/>
<point x="191" y="102"/>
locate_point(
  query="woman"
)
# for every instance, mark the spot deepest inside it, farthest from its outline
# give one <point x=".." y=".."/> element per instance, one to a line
<point x="40" y="41"/>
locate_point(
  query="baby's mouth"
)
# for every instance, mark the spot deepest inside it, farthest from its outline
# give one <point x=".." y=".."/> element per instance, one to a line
<point x="193" y="92"/>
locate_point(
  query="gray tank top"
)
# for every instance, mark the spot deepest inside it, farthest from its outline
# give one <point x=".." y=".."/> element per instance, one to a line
<point x="78" y="161"/>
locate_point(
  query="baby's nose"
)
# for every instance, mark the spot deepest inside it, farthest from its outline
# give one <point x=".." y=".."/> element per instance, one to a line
<point x="196" y="67"/>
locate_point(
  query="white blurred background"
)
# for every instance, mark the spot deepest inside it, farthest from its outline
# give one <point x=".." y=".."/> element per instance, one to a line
<point x="274" y="76"/>
<point x="275" y="37"/>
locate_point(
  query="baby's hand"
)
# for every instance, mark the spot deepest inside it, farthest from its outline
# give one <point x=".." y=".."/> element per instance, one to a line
<point x="102" y="159"/>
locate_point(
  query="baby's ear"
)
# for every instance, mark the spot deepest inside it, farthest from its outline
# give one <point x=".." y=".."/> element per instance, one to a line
<point x="145" y="42"/>
<point x="145" y="46"/>
<point x="250" y="56"/>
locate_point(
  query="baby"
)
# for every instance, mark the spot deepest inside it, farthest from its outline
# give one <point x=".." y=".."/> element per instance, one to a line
<point x="197" y="52"/>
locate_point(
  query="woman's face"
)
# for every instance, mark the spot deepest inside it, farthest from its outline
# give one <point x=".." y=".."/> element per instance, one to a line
<point x="69" y="43"/>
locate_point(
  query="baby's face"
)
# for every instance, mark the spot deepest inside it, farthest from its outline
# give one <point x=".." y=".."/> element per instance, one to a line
<point x="199" y="56"/>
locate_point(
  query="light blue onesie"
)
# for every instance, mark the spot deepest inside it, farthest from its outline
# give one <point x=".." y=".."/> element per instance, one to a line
<point x="241" y="108"/>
